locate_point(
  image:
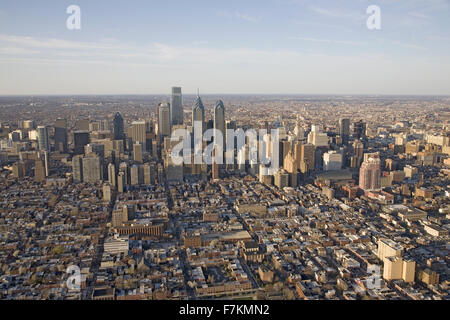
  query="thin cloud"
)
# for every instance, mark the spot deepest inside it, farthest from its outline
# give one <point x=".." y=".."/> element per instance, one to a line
<point x="337" y="13"/>
<point x="330" y="41"/>
<point x="409" y="45"/>
<point x="50" y="43"/>
<point x="247" y="17"/>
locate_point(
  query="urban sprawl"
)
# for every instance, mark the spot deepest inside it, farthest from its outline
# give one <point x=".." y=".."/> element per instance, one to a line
<point x="92" y="205"/>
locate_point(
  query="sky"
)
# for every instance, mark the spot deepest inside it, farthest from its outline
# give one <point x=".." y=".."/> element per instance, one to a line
<point x="222" y="47"/>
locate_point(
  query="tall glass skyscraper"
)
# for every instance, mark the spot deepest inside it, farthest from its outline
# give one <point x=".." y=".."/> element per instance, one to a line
<point x="176" y="106"/>
<point x="43" y="139"/>
<point x="198" y="113"/>
<point x="61" y="135"/>
<point x="219" y="120"/>
<point x="118" y="126"/>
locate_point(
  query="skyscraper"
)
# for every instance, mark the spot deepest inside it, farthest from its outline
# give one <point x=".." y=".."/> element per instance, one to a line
<point x="112" y="178"/>
<point x="219" y="121"/>
<point x="164" y="115"/>
<point x="80" y="140"/>
<point x="92" y="169"/>
<point x="118" y="127"/>
<point x="359" y="130"/>
<point x="307" y="158"/>
<point x="77" y="168"/>
<point x="176" y="106"/>
<point x="43" y="139"/>
<point x="137" y="152"/>
<point x="332" y="160"/>
<point x="198" y="113"/>
<point x="344" y="129"/>
<point x="138" y="133"/>
<point x="370" y="172"/>
<point x="61" y="135"/>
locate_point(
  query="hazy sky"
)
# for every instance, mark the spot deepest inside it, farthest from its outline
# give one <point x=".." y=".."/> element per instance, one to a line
<point x="232" y="46"/>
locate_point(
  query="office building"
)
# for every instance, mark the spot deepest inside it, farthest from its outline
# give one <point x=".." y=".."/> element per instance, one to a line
<point x="77" y="168"/>
<point x="344" y="129"/>
<point x="82" y="125"/>
<point x="112" y="178"/>
<point x="198" y="113"/>
<point x="137" y="153"/>
<point x="80" y="140"/>
<point x="61" y="135"/>
<point x="219" y="121"/>
<point x="118" y="128"/>
<point x="164" y="124"/>
<point x="92" y="169"/>
<point x="176" y="106"/>
<point x="138" y="133"/>
<point x="370" y="172"/>
<point x="43" y="138"/>
<point x="332" y="160"/>
<point x="307" y="158"/>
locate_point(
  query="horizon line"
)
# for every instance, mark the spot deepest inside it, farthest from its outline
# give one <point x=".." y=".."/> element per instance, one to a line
<point x="234" y="94"/>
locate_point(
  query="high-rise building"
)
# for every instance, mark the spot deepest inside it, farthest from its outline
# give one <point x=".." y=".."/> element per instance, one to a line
<point x="96" y="148"/>
<point x="92" y="169"/>
<point x="318" y="139"/>
<point x="137" y="153"/>
<point x="118" y="129"/>
<point x="164" y="123"/>
<point x="82" y="125"/>
<point x="198" y="113"/>
<point x="136" y="175"/>
<point x="307" y="158"/>
<point x="359" y="130"/>
<point x="61" y="135"/>
<point x="332" y="161"/>
<point x="138" y="133"/>
<point x="176" y="106"/>
<point x="39" y="170"/>
<point x="299" y="133"/>
<point x="80" y="140"/>
<point x="358" y="153"/>
<point x="370" y="172"/>
<point x="344" y="129"/>
<point x="121" y="182"/>
<point x="43" y="138"/>
<point x="219" y="121"/>
<point x="123" y="167"/>
<point x="77" y="168"/>
<point x="112" y="178"/>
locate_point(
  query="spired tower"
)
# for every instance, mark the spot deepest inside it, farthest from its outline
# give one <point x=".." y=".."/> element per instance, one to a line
<point x="219" y="121"/>
<point x="198" y="113"/>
